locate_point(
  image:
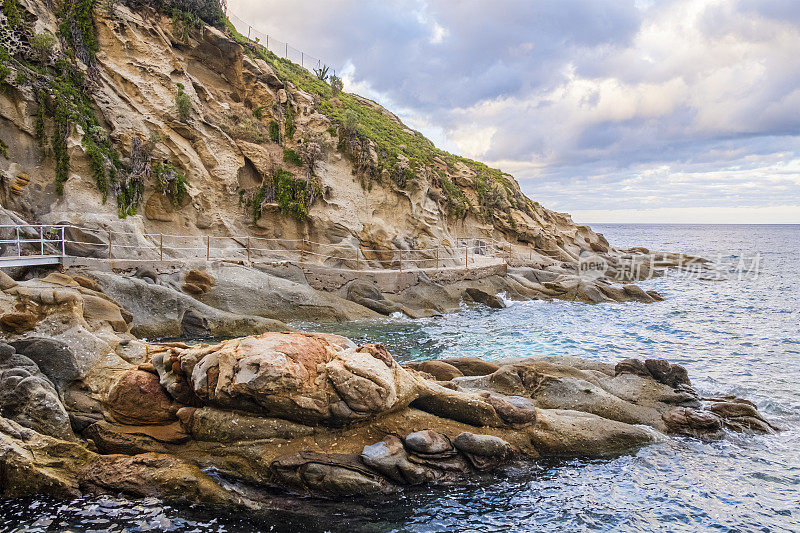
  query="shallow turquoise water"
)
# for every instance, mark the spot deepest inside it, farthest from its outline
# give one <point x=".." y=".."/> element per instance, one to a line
<point x="739" y="334"/>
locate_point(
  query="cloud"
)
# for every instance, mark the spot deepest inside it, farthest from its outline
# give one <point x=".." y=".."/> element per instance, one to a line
<point x="676" y="101"/>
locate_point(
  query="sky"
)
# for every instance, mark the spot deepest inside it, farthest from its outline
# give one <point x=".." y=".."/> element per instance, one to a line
<point x="611" y="110"/>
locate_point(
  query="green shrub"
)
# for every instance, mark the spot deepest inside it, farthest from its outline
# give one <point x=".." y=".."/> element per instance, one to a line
<point x="274" y="132"/>
<point x="4" y="57"/>
<point x="3" y="149"/>
<point x="183" y="103"/>
<point x="129" y="182"/>
<point x="21" y="78"/>
<point x="97" y="163"/>
<point x="258" y="200"/>
<point x="13" y="12"/>
<point x="248" y="129"/>
<point x="183" y="23"/>
<point x="171" y="182"/>
<point x="294" y="196"/>
<point x="290" y="156"/>
<point x="350" y="121"/>
<point x="208" y="11"/>
<point x="42" y="44"/>
<point x="402" y="176"/>
<point x="61" y="128"/>
<point x="336" y="85"/>
<point x="458" y="204"/>
<point x="291" y="194"/>
<point x="77" y="27"/>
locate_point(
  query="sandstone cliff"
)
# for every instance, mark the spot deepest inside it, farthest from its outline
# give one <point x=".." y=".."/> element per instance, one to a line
<point x="125" y="118"/>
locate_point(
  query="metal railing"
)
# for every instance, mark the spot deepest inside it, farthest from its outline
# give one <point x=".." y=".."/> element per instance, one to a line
<point x="62" y="241"/>
<point x="32" y="239"/>
<point x="278" y="47"/>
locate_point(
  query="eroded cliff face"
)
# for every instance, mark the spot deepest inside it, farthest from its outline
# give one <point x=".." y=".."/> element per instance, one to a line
<point x="254" y="128"/>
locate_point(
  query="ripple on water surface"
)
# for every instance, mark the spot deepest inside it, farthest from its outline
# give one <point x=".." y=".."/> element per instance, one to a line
<point x="736" y="336"/>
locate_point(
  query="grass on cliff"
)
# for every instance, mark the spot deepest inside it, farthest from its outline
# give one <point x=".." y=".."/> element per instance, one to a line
<point x="392" y="139"/>
<point x="62" y="92"/>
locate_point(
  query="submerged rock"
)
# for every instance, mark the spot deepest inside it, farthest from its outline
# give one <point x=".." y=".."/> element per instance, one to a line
<point x="366" y="294"/>
<point x="483" y="297"/>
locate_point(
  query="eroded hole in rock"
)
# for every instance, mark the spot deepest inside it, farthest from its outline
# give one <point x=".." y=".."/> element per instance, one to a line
<point x="249" y="177"/>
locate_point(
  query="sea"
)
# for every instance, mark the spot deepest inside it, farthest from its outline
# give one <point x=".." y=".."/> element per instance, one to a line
<point x="735" y="328"/>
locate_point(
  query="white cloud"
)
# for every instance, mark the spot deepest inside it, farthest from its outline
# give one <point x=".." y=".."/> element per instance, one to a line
<point x="779" y="214"/>
<point x="594" y="105"/>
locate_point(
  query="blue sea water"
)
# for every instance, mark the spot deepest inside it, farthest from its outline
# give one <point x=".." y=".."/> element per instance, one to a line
<point x="737" y="332"/>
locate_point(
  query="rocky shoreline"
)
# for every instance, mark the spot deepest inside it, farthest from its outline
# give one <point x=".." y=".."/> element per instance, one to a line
<point x="88" y="408"/>
<point x="209" y="136"/>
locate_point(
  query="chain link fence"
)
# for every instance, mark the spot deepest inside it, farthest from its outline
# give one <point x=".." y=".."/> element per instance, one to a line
<point x="278" y="47"/>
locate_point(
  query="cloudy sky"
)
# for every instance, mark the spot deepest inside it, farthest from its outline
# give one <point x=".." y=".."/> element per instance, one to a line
<point x="612" y="110"/>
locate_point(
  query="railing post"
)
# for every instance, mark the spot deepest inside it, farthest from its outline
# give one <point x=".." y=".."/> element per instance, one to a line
<point x="161" y="247"/>
<point x="302" y="59"/>
<point x="400" y="263"/>
<point x="466" y="256"/>
<point x="109" y="244"/>
<point x="286" y="51"/>
<point x="248" y="249"/>
<point x="248" y="31"/>
<point x="208" y="247"/>
<point x="63" y="243"/>
<point x="41" y="240"/>
<point x="437" y="258"/>
<point x="19" y="246"/>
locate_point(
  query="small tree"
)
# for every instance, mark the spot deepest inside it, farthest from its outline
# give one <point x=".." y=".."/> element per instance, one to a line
<point x="350" y="121"/>
<point x="336" y="84"/>
<point x="310" y="153"/>
<point x="42" y="44"/>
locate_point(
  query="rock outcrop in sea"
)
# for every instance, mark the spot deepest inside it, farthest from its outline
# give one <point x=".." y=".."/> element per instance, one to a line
<point x="88" y="408"/>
